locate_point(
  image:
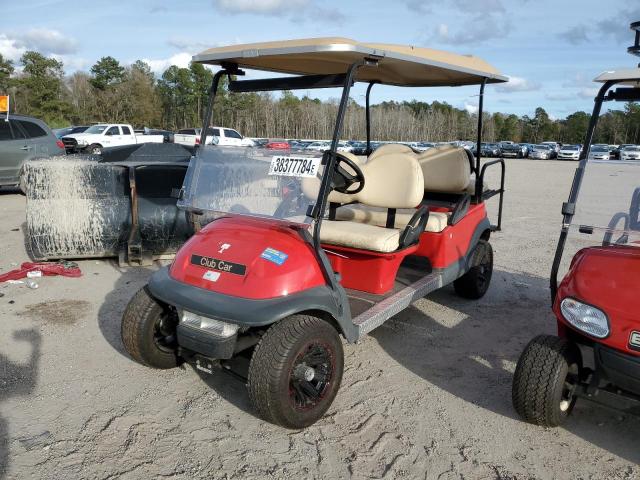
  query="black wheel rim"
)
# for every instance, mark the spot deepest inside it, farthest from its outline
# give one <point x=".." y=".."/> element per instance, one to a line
<point x="311" y="376"/>
<point x="164" y="331"/>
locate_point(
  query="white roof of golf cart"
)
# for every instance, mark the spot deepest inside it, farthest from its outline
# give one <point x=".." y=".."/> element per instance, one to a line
<point x="401" y="65"/>
<point x="630" y="76"/>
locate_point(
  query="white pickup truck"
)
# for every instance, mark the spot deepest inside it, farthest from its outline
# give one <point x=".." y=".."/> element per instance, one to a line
<point x="105" y="135"/>
<point x="217" y="135"/>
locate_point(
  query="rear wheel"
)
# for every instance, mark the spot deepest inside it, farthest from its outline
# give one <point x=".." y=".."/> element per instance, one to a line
<point x="545" y="381"/>
<point x="475" y="283"/>
<point x="295" y="371"/>
<point x="149" y="331"/>
<point x="94" y="149"/>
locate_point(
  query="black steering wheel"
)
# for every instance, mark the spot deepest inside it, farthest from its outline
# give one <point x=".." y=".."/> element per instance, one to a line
<point x="343" y="180"/>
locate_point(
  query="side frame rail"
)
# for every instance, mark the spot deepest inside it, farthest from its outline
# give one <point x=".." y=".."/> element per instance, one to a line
<point x="491" y="193"/>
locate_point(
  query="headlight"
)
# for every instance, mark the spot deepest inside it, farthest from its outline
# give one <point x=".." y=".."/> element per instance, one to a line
<point x="586" y="318"/>
<point x="217" y="328"/>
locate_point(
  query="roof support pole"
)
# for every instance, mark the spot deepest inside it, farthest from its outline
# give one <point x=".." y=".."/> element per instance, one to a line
<point x="479" y="140"/>
<point x="368" y="117"/>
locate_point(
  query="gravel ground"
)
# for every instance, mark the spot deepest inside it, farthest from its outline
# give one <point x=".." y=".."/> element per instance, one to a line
<point x="427" y="395"/>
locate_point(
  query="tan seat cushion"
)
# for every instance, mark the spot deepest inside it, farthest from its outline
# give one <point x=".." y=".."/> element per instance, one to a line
<point x="360" y="235"/>
<point x="378" y="216"/>
<point x="390" y="148"/>
<point x="445" y="169"/>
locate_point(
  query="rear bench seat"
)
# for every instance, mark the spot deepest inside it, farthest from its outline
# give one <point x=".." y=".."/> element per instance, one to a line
<point x="445" y="169"/>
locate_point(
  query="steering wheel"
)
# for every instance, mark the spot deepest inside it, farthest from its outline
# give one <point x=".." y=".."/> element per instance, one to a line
<point x="343" y="180"/>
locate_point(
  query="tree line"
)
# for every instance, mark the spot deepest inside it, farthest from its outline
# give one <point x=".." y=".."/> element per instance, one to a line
<point x="111" y="92"/>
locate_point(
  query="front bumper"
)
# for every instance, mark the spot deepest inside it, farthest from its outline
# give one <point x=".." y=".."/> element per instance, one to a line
<point x="621" y="369"/>
<point x="245" y="312"/>
<point x="200" y="341"/>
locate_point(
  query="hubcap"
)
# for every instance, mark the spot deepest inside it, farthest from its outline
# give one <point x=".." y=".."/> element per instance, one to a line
<point x="311" y="376"/>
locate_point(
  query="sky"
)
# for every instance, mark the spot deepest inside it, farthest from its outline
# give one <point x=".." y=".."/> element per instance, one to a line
<point x="550" y="49"/>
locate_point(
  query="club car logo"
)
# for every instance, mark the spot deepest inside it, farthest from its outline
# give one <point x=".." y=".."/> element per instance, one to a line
<point x="634" y="341"/>
<point x="224" y="247"/>
<point x="219" y="265"/>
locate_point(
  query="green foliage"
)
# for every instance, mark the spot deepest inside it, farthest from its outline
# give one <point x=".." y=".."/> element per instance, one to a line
<point x="6" y="70"/>
<point x="41" y="88"/>
<point x="107" y="72"/>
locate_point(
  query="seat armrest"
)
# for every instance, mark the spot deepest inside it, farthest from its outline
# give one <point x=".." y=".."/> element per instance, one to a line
<point x="460" y="210"/>
<point x="411" y="233"/>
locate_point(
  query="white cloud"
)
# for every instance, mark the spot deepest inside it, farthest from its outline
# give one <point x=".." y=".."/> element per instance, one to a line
<point x="470" y="108"/>
<point x="588" y="93"/>
<point x="472" y="6"/>
<point x="158" y="66"/>
<point x="560" y="96"/>
<point x="261" y="7"/>
<point x="473" y="30"/>
<point x="45" y="41"/>
<point x="615" y="27"/>
<point x="518" y="84"/>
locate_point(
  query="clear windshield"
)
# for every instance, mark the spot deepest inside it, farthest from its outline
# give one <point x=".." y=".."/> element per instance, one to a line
<point x="607" y="210"/>
<point x="96" y="129"/>
<point x="261" y="182"/>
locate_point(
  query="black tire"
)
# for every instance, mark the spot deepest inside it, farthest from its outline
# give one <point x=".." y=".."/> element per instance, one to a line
<point x="94" y="149"/>
<point x="475" y="283"/>
<point x="148" y="331"/>
<point x="544" y="381"/>
<point x="283" y="388"/>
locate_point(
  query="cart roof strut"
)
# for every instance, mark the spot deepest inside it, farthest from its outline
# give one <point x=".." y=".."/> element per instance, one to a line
<point x="400" y="65"/>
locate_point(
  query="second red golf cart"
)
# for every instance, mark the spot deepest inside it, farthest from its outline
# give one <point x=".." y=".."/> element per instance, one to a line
<point x="302" y="247"/>
<point x="596" y="354"/>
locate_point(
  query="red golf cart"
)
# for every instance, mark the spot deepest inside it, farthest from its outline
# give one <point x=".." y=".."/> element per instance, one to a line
<point x="299" y="247"/>
<point x="596" y="354"/>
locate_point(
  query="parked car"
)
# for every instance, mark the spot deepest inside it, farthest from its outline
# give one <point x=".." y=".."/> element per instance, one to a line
<point x="569" y="152"/>
<point x="490" y="150"/>
<point x="319" y="146"/>
<point x="105" y="135"/>
<point x="23" y="138"/>
<point x="424" y="146"/>
<point x="218" y="135"/>
<point x="631" y="152"/>
<point x="599" y="152"/>
<point x="555" y="145"/>
<point x="61" y="132"/>
<point x="542" y="152"/>
<point x="616" y="152"/>
<point x="278" y="144"/>
<point x="359" y="148"/>
<point x="511" y="149"/>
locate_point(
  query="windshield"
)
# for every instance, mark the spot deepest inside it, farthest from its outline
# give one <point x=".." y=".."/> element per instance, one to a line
<point x="259" y="182"/>
<point x="96" y="129"/>
<point x="607" y="208"/>
<point x="631" y="149"/>
<point x="599" y="149"/>
<point x="571" y="147"/>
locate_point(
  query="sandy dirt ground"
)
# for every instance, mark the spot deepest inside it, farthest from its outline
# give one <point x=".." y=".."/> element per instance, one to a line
<point x="427" y="395"/>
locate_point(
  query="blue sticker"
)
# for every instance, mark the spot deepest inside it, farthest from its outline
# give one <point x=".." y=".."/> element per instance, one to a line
<point x="274" y="256"/>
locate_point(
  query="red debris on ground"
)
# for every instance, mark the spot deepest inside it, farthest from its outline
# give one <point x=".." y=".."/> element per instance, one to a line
<point x="66" y="269"/>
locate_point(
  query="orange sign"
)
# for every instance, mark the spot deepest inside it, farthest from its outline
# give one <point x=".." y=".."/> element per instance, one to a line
<point x="4" y="103"/>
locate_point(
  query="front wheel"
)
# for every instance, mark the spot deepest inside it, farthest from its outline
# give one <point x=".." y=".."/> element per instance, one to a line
<point x="475" y="283"/>
<point x="295" y="371"/>
<point x="148" y="331"/>
<point x="544" y="383"/>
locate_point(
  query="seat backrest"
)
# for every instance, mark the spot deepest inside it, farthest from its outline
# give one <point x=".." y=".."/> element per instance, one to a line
<point x="390" y="148"/>
<point x="392" y="180"/>
<point x="445" y="169"/>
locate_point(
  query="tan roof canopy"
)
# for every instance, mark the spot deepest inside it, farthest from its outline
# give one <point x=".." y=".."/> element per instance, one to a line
<point x="397" y="64"/>
<point x="627" y="76"/>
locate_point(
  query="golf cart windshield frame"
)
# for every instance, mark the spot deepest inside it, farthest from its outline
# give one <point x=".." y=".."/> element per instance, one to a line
<point x="605" y="94"/>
